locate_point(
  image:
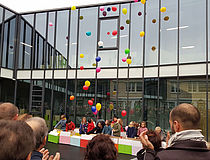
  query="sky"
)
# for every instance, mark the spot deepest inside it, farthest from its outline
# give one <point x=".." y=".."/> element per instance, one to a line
<point x="21" y="6"/>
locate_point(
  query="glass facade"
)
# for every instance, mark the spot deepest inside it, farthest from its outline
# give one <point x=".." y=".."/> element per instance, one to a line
<point x="42" y="50"/>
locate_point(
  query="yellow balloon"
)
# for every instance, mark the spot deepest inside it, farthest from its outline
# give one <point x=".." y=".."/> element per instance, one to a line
<point x="73" y="8"/>
<point x="87" y="83"/>
<point x="98" y="106"/>
<point x="114" y="92"/>
<point x="128" y="61"/>
<point x="81" y="55"/>
<point x="124" y="11"/>
<point x="143" y="1"/>
<point x="93" y="64"/>
<point x="142" y="34"/>
<point x="111" y="106"/>
<point x="163" y="9"/>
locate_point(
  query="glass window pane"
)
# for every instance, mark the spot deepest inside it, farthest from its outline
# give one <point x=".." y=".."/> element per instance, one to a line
<point x="108" y="58"/>
<point x="29" y="18"/>
<point x="192" y="49"/>
<point x="41" y="23"/>
<point x="27" y="47"/>
<point x="51" y="28"/>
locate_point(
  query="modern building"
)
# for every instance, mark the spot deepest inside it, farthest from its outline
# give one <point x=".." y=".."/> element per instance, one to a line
<point x="41" y="58"/>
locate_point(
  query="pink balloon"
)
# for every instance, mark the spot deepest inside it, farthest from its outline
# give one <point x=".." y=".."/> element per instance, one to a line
<point x="101" y="8"/>
<point x="135" y="0"/>
<point x="124" y="59"/>
<point x="50" y="24"/>
<point x="85" y="88"/>
<point x="95" y="112"/>
<point x="98" y="69"/>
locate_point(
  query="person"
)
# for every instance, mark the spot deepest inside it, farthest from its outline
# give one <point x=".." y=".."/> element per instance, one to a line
<point x="102" y="121"/>
<point x="159" y="131"/>
<point x="187" y="142"/>
<point x="24" y="117"/>
<point x="117" y="128"/>
<point x="8" y="111"/>
<point x="83" y="126"/>
<point x="61" y="123"/>
<point x="121" y="124"/>
<point x="98" y="129"/>
<point x="115" y="118"/>
<point x="90" y="125"/>
<point x="155" y="139"/>
<point x="16" y="140"/>
<point x="101" y="147"/>
<point x="142" y="128"/>
<point x="131" y="131"/>
<point x="40" y="131"/>
<point x="70" y="126"/>
<point x="107" y="128"/>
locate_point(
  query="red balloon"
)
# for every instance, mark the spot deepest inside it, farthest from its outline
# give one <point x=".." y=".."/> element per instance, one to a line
<point x="123" y="113"/>
<point x="108" y="93"/>
<point x="114" y="9"/>
<point x="81" y="68"/>
<point x="114" y="33"/>
<point x="90" y="102"/>
<point x="92" y="99"/>
<point x="131" y="111"/>
<point x="108" y="33"/>
<point x="85" y="88"/>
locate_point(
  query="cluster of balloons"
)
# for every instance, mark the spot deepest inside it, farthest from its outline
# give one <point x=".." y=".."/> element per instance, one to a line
<point x="98" y="69"/>
<point x="128" y="59"/>
<point x="87" y="85"/>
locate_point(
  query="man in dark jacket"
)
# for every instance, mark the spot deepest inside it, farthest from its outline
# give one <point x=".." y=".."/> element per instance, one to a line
<point x="186" y="143"/>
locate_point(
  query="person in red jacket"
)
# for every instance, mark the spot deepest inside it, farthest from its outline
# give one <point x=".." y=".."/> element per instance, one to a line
<point x="90" y="125"/>
<point x="70" y="126"/>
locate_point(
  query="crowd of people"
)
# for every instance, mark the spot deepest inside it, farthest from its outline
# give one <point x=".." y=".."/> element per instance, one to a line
<point x="24" y="137"/>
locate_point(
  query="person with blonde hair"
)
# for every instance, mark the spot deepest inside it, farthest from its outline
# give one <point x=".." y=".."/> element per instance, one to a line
<point x="131" y="131"/>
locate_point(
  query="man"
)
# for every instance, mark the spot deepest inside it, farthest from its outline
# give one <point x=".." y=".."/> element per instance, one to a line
<point x="186" y="143"/>
<point x="8" y="111"/>
<point x="40" y="130"/>
<point x="16" y="140"/>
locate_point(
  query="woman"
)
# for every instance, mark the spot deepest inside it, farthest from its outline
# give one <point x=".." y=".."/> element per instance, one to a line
<point x="117" y="128"/>
<point x="131" y="131"/>
<point x="142" y="128"/>
<point x="70" y="126"/>
<point x="101" y="147"/>
<point x="83" y="126"/>
<point x="90" y="125"/>
<point x="107" y="128"/>
<point x="98" y="129"/>
<point x="121" y="124"/>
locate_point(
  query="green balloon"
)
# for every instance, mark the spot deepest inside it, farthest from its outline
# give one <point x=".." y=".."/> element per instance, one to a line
<point x="127" y="51"/>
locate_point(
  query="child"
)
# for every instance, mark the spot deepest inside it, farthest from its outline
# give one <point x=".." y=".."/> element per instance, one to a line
<point x="107" y="129"/>
<point x="70" y="126"/>
<point x="90" y="125"/>
<point x="131" y="131"/>
<point x="61" y="123"/>
<point x="142" y="128"/>
<point x="83" y="126"/>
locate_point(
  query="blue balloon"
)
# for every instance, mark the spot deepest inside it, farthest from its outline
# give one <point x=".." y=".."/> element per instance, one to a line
<point x="88" y="33"/>
<point x="98" y="59"/>
<point x="108" y="9"/>
<point x="93" y="108"/>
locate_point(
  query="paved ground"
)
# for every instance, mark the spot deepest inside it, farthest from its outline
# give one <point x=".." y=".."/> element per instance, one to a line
<point x="75" y="153"/>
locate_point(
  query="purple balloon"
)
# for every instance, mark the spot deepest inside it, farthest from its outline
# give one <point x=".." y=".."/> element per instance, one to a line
<point x="104" y="13"/>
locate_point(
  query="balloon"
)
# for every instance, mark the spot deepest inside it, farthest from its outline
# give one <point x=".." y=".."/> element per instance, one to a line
<point x="114" y="9"/>
<point x="73" y="8"/>
<point x="124" y="11"/>
<point x="143" y="1"/>
<point x="100" y="44"/>
<point x="163" y="9"/>
<point x="114" y="33"/>
<point x="81" y="68"/>
<point x="50" y="24"/>
<point x="101" y="8"/>
<point x="121" y="28"/>
<point x="127" y="51"/>
<point x="129" y="61"/>
<point x="90" y="102"/>
<point x="98" y="106"/>
<point x="139" y="14"/>
<point x="108" y="9"/>
<point x="111" y="106"/>
<point x="98" y="59"/>
<point x="114" y="92"/>
<point x="153" y="48"/>
<point x="71" y="98"/>
<point x="87" y="83"/>
<point x="81" y="55"/>
<point x="92" y="99"/>
<point x="108" y="110"/>
<point x="88" y="33"/>
<point x="93" y="64"/>
<point x="135" y="0"/>
<point x="108" y="93"/>
<point x="124" y="59"/>
<point x="81" y="17"/>
<point x="108" y="33"/>
<point x="131" y="111"/>
<point x="123" y="113"/>
<point x="98" y="69"/>
<point x="95" y="112"/>
<point x="93" y="108"/>
<point x="129" y="57"/>
<point x="166" y="18"/>
<point x="128" y="21"/>
<point x="85" y="88"/>
<point x="104" y="13"/>
<point x="142" y="34"/>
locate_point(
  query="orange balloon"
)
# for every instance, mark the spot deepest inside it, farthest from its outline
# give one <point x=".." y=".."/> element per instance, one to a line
<point x="71" y="98"/>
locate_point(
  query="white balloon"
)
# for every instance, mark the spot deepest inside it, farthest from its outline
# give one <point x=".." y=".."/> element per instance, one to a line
<point x="100" y="43"/>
